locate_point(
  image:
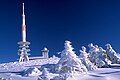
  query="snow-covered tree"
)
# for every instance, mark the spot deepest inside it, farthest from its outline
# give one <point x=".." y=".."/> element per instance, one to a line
<point x="84" y="57"/>
<point x="69" y="61"/>
<point x="101" y="59"/>
<point x="93" y="52"/>
<point x="97" y="56"/>
<point x="112" y="55"/>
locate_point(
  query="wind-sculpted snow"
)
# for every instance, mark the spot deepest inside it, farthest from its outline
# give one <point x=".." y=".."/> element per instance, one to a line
<point x="68" y="67"/>
<point x="31" y="72"/>
<point x="13" y="70"/>
<point x="23" y="65"/>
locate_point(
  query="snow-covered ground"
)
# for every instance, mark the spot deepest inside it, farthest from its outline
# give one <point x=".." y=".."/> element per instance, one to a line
<point x="14" y="71"/>
<point x="102" y="74"/>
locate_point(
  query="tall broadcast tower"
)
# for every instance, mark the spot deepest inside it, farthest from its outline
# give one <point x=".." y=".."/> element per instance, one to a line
<point x="24" y="44"/>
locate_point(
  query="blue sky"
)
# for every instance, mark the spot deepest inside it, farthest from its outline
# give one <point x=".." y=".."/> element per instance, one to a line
<point x="51" y="22"/>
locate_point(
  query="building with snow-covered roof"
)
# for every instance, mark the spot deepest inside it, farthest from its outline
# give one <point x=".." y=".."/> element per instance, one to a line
<point x="45" y="52"/>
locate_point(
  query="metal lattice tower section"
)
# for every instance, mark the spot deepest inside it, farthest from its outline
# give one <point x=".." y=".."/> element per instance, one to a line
<point x="24" y="45"/>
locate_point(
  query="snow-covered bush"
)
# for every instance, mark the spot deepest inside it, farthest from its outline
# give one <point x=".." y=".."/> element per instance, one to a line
<point x="45" y="75"/>
<point x="2" y="79"/>
<point x="50" y="67"/>
<point x="84" y="57"/>
<point x="31" y="72"/>
<point x="69" y="61"/>
<point x="65" y="76"/>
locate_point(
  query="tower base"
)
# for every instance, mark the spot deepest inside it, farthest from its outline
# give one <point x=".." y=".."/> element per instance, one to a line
<point x="23" y="51"/>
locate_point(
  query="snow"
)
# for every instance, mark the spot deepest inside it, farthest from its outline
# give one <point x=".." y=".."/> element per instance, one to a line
<point x="13" y="70"/>
<point x="31" y="72"/>
<point x="68" y="67"/>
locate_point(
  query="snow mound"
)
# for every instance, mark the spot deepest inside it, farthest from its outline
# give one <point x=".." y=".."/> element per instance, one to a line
<point x="31" y="72"/>
<point x="46" y="75"/>
<point x="2" y="79"/>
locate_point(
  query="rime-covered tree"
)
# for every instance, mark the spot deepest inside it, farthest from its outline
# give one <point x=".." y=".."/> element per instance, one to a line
<point x="101" y="59"/>
<point x="111" y="54"/>
<point x="98" y="56"/>
<point x="93" y="52"/>
<point x="84" y="57"/>
<point x="69" y="61"/>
